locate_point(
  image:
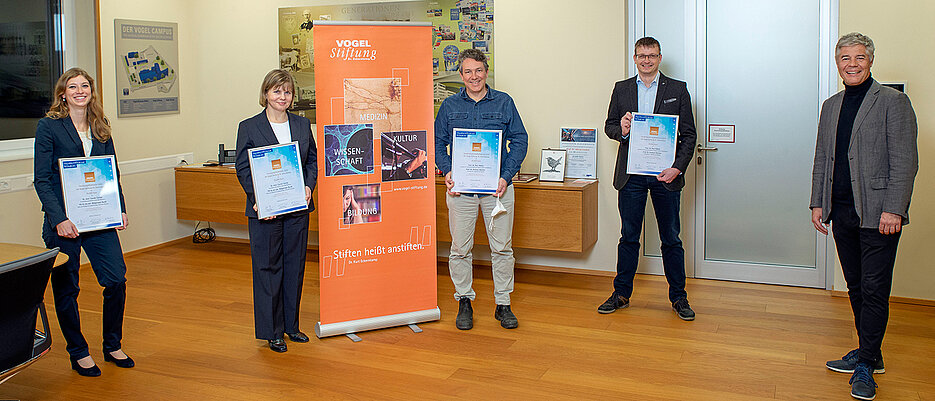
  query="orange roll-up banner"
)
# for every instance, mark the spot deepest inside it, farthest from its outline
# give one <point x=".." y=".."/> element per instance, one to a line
<point x="376" y="185"/>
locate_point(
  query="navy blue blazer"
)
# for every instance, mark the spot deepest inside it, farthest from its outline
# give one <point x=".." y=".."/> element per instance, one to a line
<point x="55" y="139"/>
<point x="255" y="132"/>
<point x="671" y="98"/>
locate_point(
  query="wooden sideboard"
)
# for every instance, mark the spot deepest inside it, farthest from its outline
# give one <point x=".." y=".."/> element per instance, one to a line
<point x="554" y="216"/>
<point x="548" y="216"/>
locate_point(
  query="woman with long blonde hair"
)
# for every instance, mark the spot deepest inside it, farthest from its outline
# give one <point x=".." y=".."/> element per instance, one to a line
<point x="75" y="126"/>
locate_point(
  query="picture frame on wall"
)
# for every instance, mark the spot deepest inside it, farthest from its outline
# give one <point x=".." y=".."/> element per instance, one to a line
<point x="552" y="165"/>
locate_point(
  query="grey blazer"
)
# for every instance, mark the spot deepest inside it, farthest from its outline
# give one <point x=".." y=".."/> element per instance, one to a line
<point x="883" y="155"/>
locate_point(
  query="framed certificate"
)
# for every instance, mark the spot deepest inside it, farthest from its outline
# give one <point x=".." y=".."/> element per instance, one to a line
<point x="475" y="160"/>
<point x="552" y="165"/>
<point x="652" y="143"/>
<point x="581" y="158"/>
<point x="92" y="196"/>
<point x="278" y="182"/>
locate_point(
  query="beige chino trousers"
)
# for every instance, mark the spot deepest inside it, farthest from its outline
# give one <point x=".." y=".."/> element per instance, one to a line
<point x="462" y="217"/>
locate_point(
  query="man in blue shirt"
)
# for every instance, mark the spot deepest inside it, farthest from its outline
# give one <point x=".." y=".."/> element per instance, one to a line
<point x="477" y="106"/>
<point x="650" y="91"/>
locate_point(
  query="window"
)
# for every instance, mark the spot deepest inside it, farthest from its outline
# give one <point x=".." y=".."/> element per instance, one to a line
<point x="31" y="59"/>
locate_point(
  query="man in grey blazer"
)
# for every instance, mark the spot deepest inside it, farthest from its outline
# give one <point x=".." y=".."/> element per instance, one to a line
<point x="866" y="159"/>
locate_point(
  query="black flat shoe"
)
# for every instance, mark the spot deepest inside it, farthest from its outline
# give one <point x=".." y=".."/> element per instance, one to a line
<point x="123" y="363"/>
<point x="278" y="345"/>
<point x="93" y="371"/>
<point x="298" y="337"/>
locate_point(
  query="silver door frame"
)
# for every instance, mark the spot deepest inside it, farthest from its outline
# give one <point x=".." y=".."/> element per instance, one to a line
<point x="695" y="49"/>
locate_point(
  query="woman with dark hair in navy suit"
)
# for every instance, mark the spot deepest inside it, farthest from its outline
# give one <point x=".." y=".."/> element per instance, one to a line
<point x="277" y="244"/>
<point x="75" y="126"/>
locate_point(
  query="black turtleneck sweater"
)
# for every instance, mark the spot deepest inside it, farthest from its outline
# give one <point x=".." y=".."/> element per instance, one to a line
<point x="841" y="192"/>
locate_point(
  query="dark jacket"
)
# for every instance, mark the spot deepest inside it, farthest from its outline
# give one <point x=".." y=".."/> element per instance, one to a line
<point x="255" y="132"/>
<point x="55" y="139"/>
<point x="671" y="98"/>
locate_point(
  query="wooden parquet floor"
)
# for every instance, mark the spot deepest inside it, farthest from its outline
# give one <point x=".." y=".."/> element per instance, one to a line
<point x="189" y="326"/>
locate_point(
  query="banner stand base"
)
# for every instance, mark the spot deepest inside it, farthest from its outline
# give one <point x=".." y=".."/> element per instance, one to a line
<point x="379" y="322"/>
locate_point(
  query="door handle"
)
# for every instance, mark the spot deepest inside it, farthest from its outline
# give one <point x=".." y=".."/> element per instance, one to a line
<point x="702" y="149"/>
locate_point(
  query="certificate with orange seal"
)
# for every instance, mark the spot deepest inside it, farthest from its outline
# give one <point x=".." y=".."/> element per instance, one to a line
<point x="475" y="160"/>
<point x="652" y="143"/>
<point x="278" y="182"/>
<point x="92" y="196"/>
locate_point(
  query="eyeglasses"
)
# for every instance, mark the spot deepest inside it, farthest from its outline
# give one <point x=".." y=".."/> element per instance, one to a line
<point x="647" y="56"/>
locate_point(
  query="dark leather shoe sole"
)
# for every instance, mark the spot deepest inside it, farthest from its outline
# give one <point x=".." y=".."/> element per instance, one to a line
<point x="277" y="345"/>
<point x="299" y="337"/>
<point x="123" y="363"/>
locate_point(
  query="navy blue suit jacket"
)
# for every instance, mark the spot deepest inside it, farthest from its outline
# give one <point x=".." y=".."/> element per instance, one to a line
<point x="255" y="132"/>
<point x="671" y="98"/>
<point x="55" y="139"/>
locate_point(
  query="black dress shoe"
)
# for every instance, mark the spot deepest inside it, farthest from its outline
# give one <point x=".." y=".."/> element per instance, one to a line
<point x="93" y="371"/>
<point x="123" y="363"/>
<point x="298" y="337"/>
<point x="278" y="345"/>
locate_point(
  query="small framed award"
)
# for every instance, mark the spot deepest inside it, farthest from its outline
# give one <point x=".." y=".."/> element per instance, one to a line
<point x="91" y="192"/>
<point x="278" y="182"/>
<point x="552" y="165"/>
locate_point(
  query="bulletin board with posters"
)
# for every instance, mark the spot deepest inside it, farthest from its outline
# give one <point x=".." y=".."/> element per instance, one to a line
<point x="456" y="25"/>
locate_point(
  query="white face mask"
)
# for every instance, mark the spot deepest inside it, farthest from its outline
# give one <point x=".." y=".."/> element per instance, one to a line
<point x="498" y="209"/>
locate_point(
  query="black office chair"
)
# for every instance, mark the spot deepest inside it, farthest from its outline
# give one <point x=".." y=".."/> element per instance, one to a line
<point x="22" y="287"/>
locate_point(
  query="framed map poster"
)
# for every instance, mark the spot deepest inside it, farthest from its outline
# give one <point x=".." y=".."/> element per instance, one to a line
<point x="147" y="55"/>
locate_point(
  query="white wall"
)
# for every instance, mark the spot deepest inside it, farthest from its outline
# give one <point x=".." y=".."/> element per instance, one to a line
<point x="559" y="62"/>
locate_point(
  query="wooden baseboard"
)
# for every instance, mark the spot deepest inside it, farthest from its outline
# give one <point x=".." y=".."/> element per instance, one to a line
<point x="895" y="300"/>
<point x="443" y="261"/>
<point x="157" y="246"/>
<point x="312" y="247"/>
<point x="232" y="239"/>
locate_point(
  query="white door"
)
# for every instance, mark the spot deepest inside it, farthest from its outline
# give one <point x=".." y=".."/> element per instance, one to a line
<point x="760" y="69"/>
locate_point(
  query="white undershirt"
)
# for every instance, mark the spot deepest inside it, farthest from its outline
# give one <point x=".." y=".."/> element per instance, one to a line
<point x="283" y="135"/>
<point x="86" y="141"/>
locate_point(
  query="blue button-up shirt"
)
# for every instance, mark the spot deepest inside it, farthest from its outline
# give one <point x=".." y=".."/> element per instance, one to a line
<point x="646" y="97"/>
<point x="495" y="111"/>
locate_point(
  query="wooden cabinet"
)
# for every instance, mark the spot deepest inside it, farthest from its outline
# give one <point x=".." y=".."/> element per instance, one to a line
<point x="548" y="216"/>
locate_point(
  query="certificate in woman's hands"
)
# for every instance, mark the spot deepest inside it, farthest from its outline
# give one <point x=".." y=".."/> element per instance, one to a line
<point x="92" y="196"/>
<point x="278" y="182"/>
